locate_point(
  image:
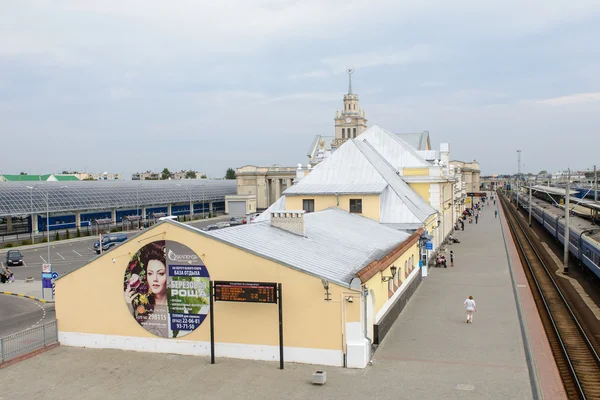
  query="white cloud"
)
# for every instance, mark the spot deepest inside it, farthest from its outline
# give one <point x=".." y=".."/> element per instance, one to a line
<point x="579" y="98"/>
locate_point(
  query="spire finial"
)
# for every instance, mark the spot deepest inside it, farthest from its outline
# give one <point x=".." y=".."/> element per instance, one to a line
<point x="350" y="71"/>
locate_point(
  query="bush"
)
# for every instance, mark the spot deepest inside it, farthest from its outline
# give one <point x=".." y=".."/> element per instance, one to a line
<point x="78" y="232"/>
<point x="7" y="245"/>
<point x="68" y="234"/>
<point x="57" y="236"/>
<point x="113" y="230"/>
<point x="44" y="240"/>
<point x="25" y="242"/>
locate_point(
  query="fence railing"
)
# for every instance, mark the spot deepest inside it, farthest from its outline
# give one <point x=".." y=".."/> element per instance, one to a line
<point x="24" y="342"/>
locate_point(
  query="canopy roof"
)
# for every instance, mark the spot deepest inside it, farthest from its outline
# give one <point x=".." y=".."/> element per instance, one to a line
<point x="21" y="198"/>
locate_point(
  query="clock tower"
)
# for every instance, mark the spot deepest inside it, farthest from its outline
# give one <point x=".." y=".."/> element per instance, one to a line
<point x="351" y="121"/>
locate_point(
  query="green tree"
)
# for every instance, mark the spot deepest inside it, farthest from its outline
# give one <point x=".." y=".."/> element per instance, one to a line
<point x="166" y="174"/>
<point x="190" y="175"/>
<point x="543" y="172"/>
<point x="23" y="173"/>
<point x="203" y="176"/>
<point x="230" y="174"/>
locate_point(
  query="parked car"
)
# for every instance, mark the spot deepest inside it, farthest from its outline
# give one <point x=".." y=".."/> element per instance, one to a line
<point x="218" y="225"/>
<point x="236" y="221"/>
<point x="110" y="238"/>
<point x="107" y="246"/>
<point x="14" y="257"/>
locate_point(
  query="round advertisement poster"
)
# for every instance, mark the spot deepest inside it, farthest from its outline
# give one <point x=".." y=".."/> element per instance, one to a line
<point x="166" y="289"/>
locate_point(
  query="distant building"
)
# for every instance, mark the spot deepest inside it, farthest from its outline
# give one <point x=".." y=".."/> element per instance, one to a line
<point x="104" y="176"/>
<point x="38" y="178"/>
<point x="155" y="176"/>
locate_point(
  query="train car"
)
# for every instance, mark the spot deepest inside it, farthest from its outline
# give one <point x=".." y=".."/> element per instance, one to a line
<point x="584" y="248"/>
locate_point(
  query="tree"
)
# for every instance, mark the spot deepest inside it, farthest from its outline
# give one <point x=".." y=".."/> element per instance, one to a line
<point x="190" y="175"/>
<point x="203" y="176"/>
<point x="543" y="172"/>
<point x="230" y="174"/>
<point x="23" y="173"/>
<point x="166" y="174"/>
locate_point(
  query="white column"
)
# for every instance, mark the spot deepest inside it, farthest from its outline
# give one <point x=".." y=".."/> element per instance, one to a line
<point x="143" y="213"/>
<point x="78" y="220"/>
<point x="9" y="227"/>
<point x="113" y="214"/>
<point x="169" y="209"/>
<point x="210" y="206"/>
<point x="277" y="188"/>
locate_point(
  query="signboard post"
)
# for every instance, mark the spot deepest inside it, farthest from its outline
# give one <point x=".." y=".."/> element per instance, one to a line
<point x="246" y="292"/>
<point x="46" y="278"/>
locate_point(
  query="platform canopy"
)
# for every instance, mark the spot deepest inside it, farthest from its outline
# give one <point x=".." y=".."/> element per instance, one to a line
<point x="552" y="190"/>
<point x="22" y="198"/>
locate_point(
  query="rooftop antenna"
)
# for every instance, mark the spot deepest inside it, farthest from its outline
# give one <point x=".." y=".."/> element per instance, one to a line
<point x="350" y="71"/>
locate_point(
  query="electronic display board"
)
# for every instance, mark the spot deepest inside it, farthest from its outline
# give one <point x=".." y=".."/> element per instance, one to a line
<point x="246" y="292"/>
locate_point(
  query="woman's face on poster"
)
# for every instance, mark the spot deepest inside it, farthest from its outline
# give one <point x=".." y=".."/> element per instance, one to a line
<point x="157" y="277"/>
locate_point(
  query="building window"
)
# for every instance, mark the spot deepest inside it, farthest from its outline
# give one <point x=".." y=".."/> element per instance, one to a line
<point x="356" y="206"/>
<point x="354" y="129"/>
<point x="343" y="133"/>
<point x="308" y="205"/>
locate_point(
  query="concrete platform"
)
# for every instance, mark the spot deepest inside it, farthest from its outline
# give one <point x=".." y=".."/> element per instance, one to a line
<point x="429" y="353"/>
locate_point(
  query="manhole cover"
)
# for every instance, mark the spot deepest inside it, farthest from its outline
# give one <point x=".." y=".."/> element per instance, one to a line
<point x="462" y="386"/>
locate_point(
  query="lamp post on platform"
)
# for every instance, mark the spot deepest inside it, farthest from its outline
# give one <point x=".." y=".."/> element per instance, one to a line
<point x="566" y="234"/>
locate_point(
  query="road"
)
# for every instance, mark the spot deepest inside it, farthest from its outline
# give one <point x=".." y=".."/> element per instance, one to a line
<point x="19" y="313"/>
<point x="68" y="256"/>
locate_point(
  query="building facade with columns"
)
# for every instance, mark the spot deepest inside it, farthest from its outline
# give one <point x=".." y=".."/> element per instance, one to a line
<point x="265" y="183"/>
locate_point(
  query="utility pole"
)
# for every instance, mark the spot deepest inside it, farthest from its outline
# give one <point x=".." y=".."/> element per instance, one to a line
<point x="530" y="204"/>
<point x="595" y="184"/>
<point x="518" y="175"/>
<point x="566" y="235"/>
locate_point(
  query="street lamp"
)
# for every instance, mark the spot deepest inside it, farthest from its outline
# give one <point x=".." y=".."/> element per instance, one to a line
<point x="31" y="212"/>
<point x="46" y="195"/>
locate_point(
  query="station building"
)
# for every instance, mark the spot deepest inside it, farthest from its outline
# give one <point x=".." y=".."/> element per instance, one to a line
<point x="345" y="278"/>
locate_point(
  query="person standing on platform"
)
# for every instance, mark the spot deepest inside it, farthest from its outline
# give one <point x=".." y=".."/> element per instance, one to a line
<point x="476" y="218"/>
<point x="471" y="307"/>
<point x="451" y="258"/>
<point x="495" y="213"/>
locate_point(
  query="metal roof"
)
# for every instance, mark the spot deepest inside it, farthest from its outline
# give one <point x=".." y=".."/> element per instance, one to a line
<point x="279" y="205"/>
<point x="418" y="141"/>
<point x="337" y="244"/>
<point x="345" y="188"/>
<point x="395" y="150"/>
<point x="552" y="190"/>
<point x="20" y="198"/>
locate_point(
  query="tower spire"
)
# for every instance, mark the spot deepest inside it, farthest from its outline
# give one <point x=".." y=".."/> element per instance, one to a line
<point x="350" y="71"/>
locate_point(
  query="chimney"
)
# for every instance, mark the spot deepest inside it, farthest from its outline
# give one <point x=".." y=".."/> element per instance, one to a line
<point x="291" y="221"/>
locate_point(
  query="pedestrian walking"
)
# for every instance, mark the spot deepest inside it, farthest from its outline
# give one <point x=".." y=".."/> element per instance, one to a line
<point x="496" y="214"/>
<point x="451" y="258"/>
<point x="476" y="218"/>
<point x="470" y="307"/>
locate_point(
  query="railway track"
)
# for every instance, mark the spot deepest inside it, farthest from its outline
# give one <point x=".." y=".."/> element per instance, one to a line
<point x="577" y="360"/>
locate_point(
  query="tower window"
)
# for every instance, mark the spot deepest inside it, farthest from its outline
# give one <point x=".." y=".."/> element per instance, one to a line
<point x="343" y="133"/>
<point x="354" y="131"/>
<point x="355" y="106"/>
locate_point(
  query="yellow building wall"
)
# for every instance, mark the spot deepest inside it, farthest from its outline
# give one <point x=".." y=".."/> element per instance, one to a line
<point x="370" y="203"/>
<point x="415" y="171"/>
<point x="403" y="264"/>
<point x="91" y="299"/>
<point x="422" y="190"/>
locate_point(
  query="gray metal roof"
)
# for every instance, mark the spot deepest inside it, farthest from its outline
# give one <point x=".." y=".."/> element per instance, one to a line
<point x="337" y="244"/>
<point x="346" y="188"/>
<point x="20" y="198"/>
<point x="417" y="140"/>
<point x="395" y="150"/>
<point x="552" y="190"/>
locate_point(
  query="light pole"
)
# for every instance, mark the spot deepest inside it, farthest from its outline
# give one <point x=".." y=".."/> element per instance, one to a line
<point x="566" y="234"/>
<point x="518" y="175"/>
<point x="31" y="212"/>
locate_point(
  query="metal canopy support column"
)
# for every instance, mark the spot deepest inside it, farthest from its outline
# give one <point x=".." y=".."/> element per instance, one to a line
<point x="566" y="233"/>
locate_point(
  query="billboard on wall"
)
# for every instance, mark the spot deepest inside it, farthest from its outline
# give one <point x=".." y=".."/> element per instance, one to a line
<point x="166" y="289"/>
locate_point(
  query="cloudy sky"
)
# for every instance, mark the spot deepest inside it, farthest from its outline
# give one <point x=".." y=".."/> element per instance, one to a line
<point x="131" y="85"/>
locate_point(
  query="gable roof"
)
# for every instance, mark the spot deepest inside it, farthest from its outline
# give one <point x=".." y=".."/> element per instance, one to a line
<point x="336" y="247"/>
<point x="396" y="151"/>
<point x="357" y="168"/>
<point x="26" y="178"/>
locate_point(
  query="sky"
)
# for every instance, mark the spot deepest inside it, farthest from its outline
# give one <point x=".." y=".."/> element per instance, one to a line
<point x="129" y="85"/>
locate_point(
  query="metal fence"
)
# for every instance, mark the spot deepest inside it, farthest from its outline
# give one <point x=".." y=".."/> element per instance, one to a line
<point x="29" y="340"/>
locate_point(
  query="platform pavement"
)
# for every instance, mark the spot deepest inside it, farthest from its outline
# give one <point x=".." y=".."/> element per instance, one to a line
<point x="32" y="290"/>
<point x="430" y="352"/>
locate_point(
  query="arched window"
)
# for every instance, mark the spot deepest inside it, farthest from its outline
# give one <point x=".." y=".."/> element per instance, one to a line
<point x="396" y="278"/>
<point x="406" y="268"/>
<point x="343" y="133"/>
<point x="354" y="129"/>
